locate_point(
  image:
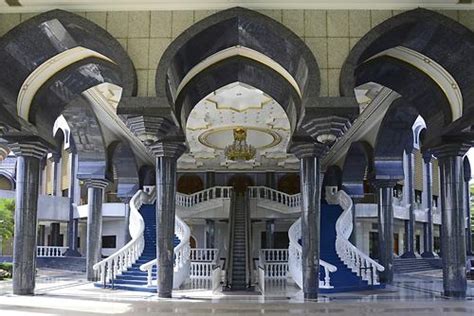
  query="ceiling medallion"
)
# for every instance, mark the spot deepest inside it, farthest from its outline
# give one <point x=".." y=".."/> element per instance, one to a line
<point x="239" y="150"/>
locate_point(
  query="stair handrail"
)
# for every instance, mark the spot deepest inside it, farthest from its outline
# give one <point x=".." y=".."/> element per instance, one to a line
<point x="355" y="259"/>
<point x="126" y="256"/>
<point x="263" y="192"/>
<point x="182" y="251"/>
<point x="216" y="192"/>
<point x="229" y="260"/>
<point x="295" y="252"/>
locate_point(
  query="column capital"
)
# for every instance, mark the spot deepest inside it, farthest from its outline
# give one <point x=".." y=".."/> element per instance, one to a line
<point x="172" y="149"/>
<point x="306" y="149"/>
<point x="29" y="148"/>
<point x="96" y="183"/>
<point x="55" y="157"/>
<point x="384" y="183"/>
<point x="150" y="129"/>
<point x="450" y="150"/>
<point x="427" y="156"/>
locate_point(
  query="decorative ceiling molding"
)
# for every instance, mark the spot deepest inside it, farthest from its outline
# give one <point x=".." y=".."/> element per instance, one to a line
<point x="238" y="51"/>
<point x="47" y="70"/>
<point x="432" y="69"/>
<point x="123" y="5"/>
<point x="204" y="137"/>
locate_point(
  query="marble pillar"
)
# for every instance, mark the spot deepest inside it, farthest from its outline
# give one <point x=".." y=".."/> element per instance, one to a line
<point x="210" y="233"/>
<point x="310" y="224"/>
<point x="410" y="191"/>
<point x="428" y="198"/>
<point x="26" y="209"/>
<point x="72" y="232"/>
<point x="55" y="234"/>
<point x="210" y="179"/>
<point x="95" y="196"/>
<point x="270" y="180"/>
<point x="453" y="241"/>
<point x="270" y="233"/>
<point x="467" y="199"/>
<point x="167" y="154"/>
<point x="385" y="224"/>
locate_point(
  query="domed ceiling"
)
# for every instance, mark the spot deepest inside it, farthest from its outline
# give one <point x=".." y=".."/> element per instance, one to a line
<point x="210" y="127"/>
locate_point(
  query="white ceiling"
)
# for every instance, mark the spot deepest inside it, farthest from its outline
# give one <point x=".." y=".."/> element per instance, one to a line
<point x="117" y="5"/>
<point x="210" y="128"/>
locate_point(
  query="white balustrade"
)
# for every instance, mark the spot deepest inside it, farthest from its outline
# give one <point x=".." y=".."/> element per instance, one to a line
<point x="274" y="255"/>
<point x="275" y="270"/>
<point x="50" y="251"/>
<point x="189" y="200"/>
<point x="201" y="270"/>
<point x="295" y="264"/>
<point x="122" y="259"/>
<point x="261" y="192"/>
<point x="356" y="260"/>
<point x="204" y="255"/>
<point x="182" y="262"/>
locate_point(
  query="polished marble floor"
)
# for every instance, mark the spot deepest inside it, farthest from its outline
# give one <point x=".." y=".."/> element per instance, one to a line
<point x="66" y="293"/>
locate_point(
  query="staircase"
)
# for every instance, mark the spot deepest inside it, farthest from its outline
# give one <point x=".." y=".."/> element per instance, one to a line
<point x="239" y="246"/>
<point x="401" y="265"/>
<point x="343" y="280"/>
<point x="133" y="279"/>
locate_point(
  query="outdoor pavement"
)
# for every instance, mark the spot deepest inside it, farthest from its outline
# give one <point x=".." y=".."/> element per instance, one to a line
<point x="68" y="293"/>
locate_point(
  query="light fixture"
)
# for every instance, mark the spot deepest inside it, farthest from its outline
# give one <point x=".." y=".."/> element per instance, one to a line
<point x="239" y="150"/>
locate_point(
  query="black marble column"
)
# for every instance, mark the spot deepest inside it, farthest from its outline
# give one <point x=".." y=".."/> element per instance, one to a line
<point x="467" y="199"/>
<point x="167" y="154"/>
<point x="210" y="233"/>
<point x="72" y="231"/>
<point x="95" y="196"/>
<point x="385" y="224"/>
<point x="26" y="209"/>
<point x="55" y="234"/>
<point x="270" y="233"/>
<point x="126" y="201"/>
<point x="410" y="190"/>
<point x="310" y="183"/>
<point x="427" y="191"/>
<point x="210" y="179"/>
<point x="453" y="240"/>
<point x="270" y="180"/>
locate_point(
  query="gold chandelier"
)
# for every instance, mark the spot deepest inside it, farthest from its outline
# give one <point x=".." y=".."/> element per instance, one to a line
<point x="239" y="149"/>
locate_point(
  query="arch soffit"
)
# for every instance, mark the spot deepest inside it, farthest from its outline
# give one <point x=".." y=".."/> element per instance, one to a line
<point x="237" y="32"/>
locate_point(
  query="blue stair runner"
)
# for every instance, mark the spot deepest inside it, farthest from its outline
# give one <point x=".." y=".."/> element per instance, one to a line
<point x="343" y="280"/>
<point x="134" y="279"/>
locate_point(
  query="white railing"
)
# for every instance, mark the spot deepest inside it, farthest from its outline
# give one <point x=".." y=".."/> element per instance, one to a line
<point x="295" y="264"/>
<point x="261" y="192"/>
<point x="204" y="254"/>
<point x="189" y="200"/>
<point x="50" y="251"/>
<point x="356" y="260"/>
<point x="274" y="255"/>
<point x="182" y="262"/>
<point x="275" y="270"/>
<point x="121" y="260"/>
<point x="201" y="270"/>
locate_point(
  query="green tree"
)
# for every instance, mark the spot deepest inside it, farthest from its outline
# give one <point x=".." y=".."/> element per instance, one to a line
<point x="7" y="209"/>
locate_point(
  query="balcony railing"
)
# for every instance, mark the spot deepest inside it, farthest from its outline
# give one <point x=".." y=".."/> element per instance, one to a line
<point x="50" y="251"/>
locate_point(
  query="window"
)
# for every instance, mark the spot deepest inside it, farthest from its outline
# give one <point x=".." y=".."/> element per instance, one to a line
<point x="109" y="241"/>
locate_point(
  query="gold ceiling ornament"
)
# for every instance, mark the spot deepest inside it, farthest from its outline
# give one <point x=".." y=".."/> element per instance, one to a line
<point x="239" y="150"/>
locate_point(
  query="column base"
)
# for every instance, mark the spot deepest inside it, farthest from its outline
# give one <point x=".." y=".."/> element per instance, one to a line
<point x="24" y="291"/>
<point x="310" y="296"/>
<point x="455" y="294"/>
<point x="72" y="253"/>
<point x="429" y="254"/>
<point x="410" y="255"/>
<point x="164" y="295"/>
